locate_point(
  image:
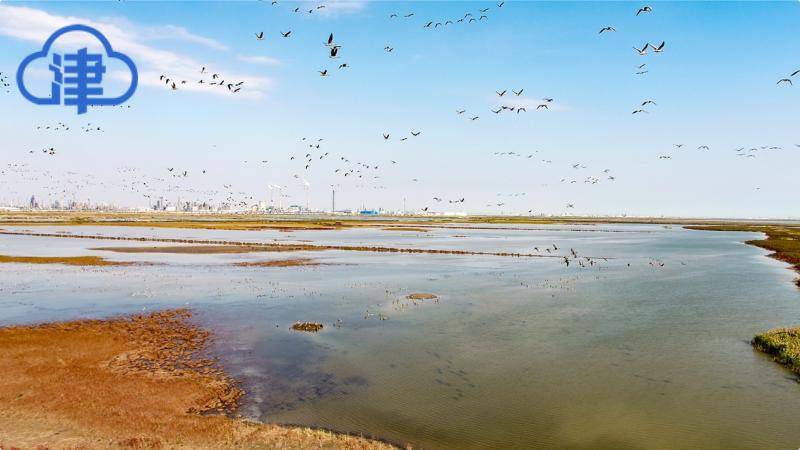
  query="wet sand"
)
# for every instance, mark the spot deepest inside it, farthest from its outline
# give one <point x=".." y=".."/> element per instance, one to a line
<point x="144" y="381"/>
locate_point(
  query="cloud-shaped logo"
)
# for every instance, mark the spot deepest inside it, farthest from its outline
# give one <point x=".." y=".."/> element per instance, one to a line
<point x="77" y="77"/>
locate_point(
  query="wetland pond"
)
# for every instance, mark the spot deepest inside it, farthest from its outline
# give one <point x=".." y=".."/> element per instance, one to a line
<point x="643" y="345"/>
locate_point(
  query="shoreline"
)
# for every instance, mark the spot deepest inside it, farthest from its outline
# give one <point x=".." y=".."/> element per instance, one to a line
<point x="782" y="343"/>
<point x="782" y="241"/>
<point x="131" y="381"/>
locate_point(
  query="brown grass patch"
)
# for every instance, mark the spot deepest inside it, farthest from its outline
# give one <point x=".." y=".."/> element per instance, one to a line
<point x="137" y="382"/>
<point x="68" y="260"/>
<point x="280" y="263"/>
<point x="421" y="296"/>
<point x="312" y="327"/>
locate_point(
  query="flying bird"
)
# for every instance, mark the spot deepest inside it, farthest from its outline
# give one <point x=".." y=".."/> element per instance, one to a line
<point x="658" y="49"/>
<point x="643" y="51"/>
<point x="644" y="9"/>
<point x="604" y="29"/>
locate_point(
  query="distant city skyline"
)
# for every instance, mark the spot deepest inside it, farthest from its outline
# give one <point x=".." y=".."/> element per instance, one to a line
<point x="713" y="85"/>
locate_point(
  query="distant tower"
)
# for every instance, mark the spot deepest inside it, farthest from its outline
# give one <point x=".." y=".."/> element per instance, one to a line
<point x="307" y="187"/>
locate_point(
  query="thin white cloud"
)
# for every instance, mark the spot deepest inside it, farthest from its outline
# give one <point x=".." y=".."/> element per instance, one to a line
<point x="263" y="60"/>
<point x="35" y="25"/>
<point x="334" y="7"/>
<point x="180" y="33"/>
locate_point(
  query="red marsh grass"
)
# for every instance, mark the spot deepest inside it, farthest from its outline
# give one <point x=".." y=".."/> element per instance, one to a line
<point x="130" y="382"/>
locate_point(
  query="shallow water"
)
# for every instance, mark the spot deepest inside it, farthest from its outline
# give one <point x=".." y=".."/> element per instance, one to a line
<point x="517" y="352"/>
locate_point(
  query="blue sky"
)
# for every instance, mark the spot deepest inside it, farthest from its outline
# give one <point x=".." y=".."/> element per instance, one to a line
<point x="714" y="85"/>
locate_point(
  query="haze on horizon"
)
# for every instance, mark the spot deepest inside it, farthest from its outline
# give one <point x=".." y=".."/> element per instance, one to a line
<point x="715" y="84"/>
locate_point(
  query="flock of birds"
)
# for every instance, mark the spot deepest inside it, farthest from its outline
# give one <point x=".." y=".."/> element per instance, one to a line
<point x="5" y="83"/>
<point x="510" y="100"/>
<point x="216" y="80"/>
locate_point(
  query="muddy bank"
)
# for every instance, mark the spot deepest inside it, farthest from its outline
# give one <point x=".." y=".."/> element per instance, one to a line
<point x="143" y="381"/>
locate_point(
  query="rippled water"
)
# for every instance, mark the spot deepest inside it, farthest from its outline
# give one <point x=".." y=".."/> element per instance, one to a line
<point x="517" y="352"/>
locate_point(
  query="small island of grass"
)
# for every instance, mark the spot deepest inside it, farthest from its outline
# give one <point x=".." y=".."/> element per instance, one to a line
<point x="783" y="344"/>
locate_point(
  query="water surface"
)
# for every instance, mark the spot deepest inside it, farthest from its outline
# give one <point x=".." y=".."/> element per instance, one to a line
<point x="645" y="349"/>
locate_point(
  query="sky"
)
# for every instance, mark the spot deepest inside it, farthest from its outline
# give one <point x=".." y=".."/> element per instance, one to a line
<point x="715" y="85"/>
